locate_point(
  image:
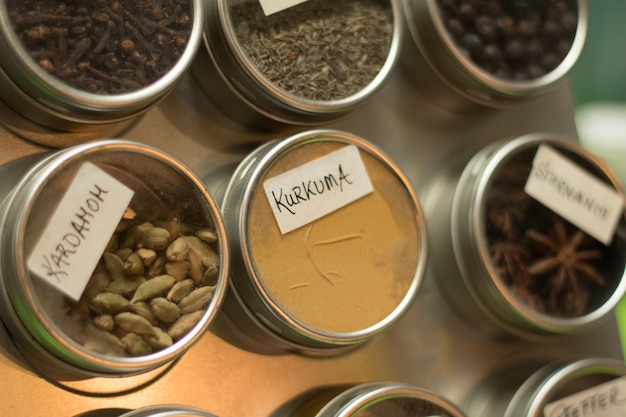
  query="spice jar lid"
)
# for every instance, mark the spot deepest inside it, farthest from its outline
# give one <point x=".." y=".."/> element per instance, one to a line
<point x="116" y="260"/>
<point x="95" y="62"/>
<point x="549" y="232"/>
<point x="166" y="411"/>
<point x="382" y="399"/>
<point x="304" y="64"/>
<point x="500" y="51"/>
<point x="328" y="236"/>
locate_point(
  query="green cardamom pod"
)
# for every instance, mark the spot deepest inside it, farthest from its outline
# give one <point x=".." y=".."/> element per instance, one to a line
<point x="196" y="300"/>
<point x="153" y="287"/>
<point x="109" y="303"/>
<point x="184" y="325"/>
<point x="164" y="310"/>
<point x="180" y="290"/>
<point x="156" y="238"/>
<point x="133" y="323"/>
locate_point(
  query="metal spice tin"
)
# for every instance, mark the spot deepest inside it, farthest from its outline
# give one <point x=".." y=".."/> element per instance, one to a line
<point x="466" y="56"/>
<point x="539" y="387"/>
<point x="136" y="300"/>
<point x="303" y="66"/>
<point x="372" y="399"/>
<point x="167" y="410"/>
<point x="511" y="264"/>
<point x="336" y="280"/>
<point x="75" y="72"/>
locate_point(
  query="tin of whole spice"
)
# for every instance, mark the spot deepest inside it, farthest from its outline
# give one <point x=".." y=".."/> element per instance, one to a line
<point x="524" y="263"/>
<point x="304" y="65"/>
<point x="73" y="71"/>
<point x="471" y="55"/>
<point x="122" y="273"/>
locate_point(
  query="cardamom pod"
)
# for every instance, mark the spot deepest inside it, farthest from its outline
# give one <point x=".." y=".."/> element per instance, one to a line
<point x="178" y="270"/>
<point x="157" y="267"/>
<point x="153" y="287"/>
<point x="196" y="269"/>
<point x="124" y="253"/>
<point x="135" y="345"/>
<point x="114" y="264"/>
<point x="143" y="309"/>
<point x="104" y="322"/>
<point x="125" y="286"/>
<point x="160" y="339"/>
<point x="177" y="250"/>
<point x="156" y="238"/>
<point x="207" y="235"/>
<point x="109" y="303"/>
<point x="180" y="290"/>
<point x="196" y="300"/>
<point x="211" y="274"/>
<point x="184" y="324"/>
<point x="147" y="256"/>
<point x="204" y="252"/>
<point x="164" y="310"/>
<point x="133" y="323"/>
<point x="134" y="265"/>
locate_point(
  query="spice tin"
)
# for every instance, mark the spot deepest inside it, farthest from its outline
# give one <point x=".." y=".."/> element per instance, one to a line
<point x="306" y="65"/>
<point x="328" y="243"/>
<point x="566" y="387"/>
<point x="73" y="72"/>
<point x="373" y="399"/>
<point x="530" y="237"/>
<point x="465" y="56"/>
<point x="114" y="259"/>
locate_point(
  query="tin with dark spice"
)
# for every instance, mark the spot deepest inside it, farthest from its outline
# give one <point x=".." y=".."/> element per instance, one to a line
<point x="470" y="55"/>
<point x="510" y="262"/>
<point x="76" y="71"/>
<point x="306" y="65"/>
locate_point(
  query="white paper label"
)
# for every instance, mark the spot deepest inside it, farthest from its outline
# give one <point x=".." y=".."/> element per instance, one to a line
<point x="604" y="400"/>
<point x="274" y="6"/>
<point x="77" y="234"/>
<point x="574" y="194"/>
<point x="319" y="187"/>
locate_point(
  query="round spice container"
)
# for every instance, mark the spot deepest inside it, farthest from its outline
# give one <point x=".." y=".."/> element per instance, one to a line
<point x="567" y="387"/>
<point x="73" y="72"/>
<point x="530" y="237"/>
<point x="327" y="239"/>
<point x="114" y="259"/>
<point x="166" y="411"/>
<point x="466" y="55"/>
<point x="374" y="399"/>
<point x="302" y="65"/>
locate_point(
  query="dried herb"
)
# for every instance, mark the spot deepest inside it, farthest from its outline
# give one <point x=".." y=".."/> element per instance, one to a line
<point x="103" y="47"/>
<point x="512" y="39"/>
<point x="548" y="263"/>
<point x="319" y="50"/>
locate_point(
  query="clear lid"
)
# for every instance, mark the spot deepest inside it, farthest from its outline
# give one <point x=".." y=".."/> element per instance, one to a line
<point x="103" y="47"/>
<point x="319" y="50"/>
<point x="545" y="247"/>
<point x="340" y="270"/>
<point x="124" y="254"/>
<point x="403" y="407"/>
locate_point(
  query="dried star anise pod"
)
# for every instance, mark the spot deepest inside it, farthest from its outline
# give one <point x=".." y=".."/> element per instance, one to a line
<point x="565" y="263"/>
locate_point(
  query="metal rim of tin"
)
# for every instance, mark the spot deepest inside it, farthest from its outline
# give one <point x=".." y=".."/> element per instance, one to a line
<point x="31" y="325"/>
<point x="258" y="93"/>
<point x="246" y="284"/>
<point x="538" y="390"/>
<point x="167" y="410"/>
<point x="359" y="398"/>
<point x="472" y="252"/>
<point x="432" y="39"/>
<point x="50" y="102"/>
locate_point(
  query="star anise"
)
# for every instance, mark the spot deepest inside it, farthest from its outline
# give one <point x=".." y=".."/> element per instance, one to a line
<point x="510" y="260"/>
<point x="567" y="265"/>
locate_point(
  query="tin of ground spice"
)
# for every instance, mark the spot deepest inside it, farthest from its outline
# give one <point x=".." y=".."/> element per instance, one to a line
<point x="306" y="65"/>
<point x="468" y="55"/>
<point x="73" y="71"/>
<point x="343" y="273"/>
<point x="372" y="399"/>
<point x="538" y="387"/>
<point x="167" y="410"/>
<point x="103" y="271"/>
<point x="512" y="262"/>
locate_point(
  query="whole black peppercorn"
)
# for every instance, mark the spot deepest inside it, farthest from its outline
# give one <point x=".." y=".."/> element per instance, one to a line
<point x="512" y="39"/>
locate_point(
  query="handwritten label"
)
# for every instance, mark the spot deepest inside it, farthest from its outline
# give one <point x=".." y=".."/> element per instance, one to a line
<point x="574" y="194"/>
<point x="317" y="188"/>
<point x="604" y="400"/>
<point x="77" y="234"/>
<point x="274" y="6"/>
